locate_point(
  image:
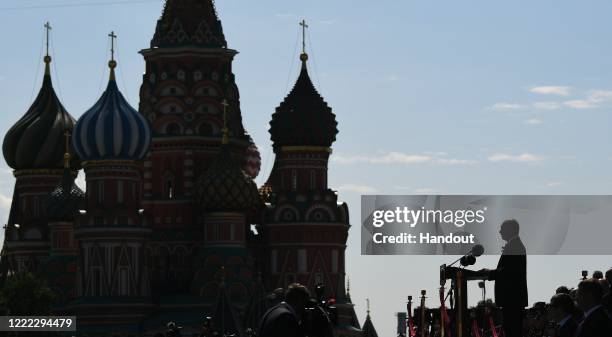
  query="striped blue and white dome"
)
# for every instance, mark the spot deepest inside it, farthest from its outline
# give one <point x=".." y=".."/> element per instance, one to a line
<point x="111" y="129"/>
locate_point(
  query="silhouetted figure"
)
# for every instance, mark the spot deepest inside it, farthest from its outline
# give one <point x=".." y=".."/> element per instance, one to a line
<point x="563" y="311"/>
<point x="511" y="279"/>
<point x="598" y="275"/>
<point x="562" y="290"/>
<point x="597" y="322"/>
<point x="283" y="320"/>
<point x="608" y="297"/>
<point x="173" y="330"/>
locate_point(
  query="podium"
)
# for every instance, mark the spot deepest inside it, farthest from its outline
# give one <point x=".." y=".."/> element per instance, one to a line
<point x="459" y="278"/>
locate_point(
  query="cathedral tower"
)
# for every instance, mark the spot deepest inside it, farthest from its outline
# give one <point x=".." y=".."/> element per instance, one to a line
<point x="112" y="139"/>
<point x="306" y="227"/>
<point x="187" y="78"/>
<point x="34" y="149"/>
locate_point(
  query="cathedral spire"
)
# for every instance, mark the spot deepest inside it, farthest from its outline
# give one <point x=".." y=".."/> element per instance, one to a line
<point x="304" y="55"/>
<point x="303" y="118"/>
<point x="36" y="140"/>
<point x="112" y="64"/>
<point x="189" y="23"/>
<point x="67" y="153"/>
<point x="47" y="57"/>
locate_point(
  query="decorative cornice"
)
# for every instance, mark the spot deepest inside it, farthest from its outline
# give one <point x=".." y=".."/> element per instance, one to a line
<point x="110" y="162"/>
<point x="306" y="149"/>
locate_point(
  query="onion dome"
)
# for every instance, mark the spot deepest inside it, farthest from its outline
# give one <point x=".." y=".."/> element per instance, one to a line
<point x="64" y="201"/>
<point x="253" y="160"/>
<point x="224" y="186"/>
<point x="303" y="118"/>
<point x="36" y="140"/>
<point x="189" y="23"/>
<point x="111" y="129"/>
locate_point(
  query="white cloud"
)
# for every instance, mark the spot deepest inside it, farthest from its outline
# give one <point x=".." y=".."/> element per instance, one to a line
<point x="361" y="189"/>
<point x="401" y="158"/>
<point x="580" y="104"/>
<point x="546" y="105"/>
<point x="520" y="158"/>
<point x="551" y="90"/>
<point x="593" y="99"/>
<point x="554" y="184"/>
<point x="392" y="77"/>
<point x="504" y="106"/>
<point x="533" y="121"/>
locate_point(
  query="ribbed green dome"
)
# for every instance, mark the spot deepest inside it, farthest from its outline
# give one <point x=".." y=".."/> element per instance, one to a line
<point x="224" y="187"/>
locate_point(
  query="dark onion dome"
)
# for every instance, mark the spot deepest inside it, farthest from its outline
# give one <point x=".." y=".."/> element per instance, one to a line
<point x="189" y="23"/>
<point x="64" y="201"/>
<point x="303" y="118"/>
<point x="224" y="187"/>
<point x="111" y="129"/>
<point x="36" y="141"/>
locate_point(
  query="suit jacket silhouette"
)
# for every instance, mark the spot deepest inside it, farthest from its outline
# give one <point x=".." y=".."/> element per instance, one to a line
<point x="511" y="275"/>
<point x="597" y="324"/>
<point x="280" y="321"/>
<point x="568" y="329"/>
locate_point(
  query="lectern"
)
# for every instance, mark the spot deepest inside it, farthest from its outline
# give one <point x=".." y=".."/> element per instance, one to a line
<point x="459" y="278"/>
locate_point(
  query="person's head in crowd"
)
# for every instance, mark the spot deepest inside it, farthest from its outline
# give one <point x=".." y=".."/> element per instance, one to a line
<point x="509" y="229"/>
<point x="598" y="275"/>
<point x="604" y="285"/>
<point x="609" y="276"/>
<point x="589" y="294"/>
<point x="561" y="305"/>
<point x="297" y="296"/>
<point x="562" y="290"/>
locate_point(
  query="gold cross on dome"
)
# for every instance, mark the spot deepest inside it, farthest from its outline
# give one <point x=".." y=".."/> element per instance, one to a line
<point x="304" y="26"/>
<point x="113" y="37"/>
<point x="48" y="30"/>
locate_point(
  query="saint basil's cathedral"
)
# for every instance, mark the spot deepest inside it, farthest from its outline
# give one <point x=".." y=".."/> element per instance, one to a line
<point x="171" y="225"/>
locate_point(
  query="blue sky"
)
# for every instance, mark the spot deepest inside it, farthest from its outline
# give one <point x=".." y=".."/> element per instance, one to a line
<point x="456" y="97"/>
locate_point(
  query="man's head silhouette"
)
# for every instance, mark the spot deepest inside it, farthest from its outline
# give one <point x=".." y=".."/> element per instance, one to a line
<point x="297" y="296"/>
<point x="590" y="294"/>
<point x="509" y="229"/>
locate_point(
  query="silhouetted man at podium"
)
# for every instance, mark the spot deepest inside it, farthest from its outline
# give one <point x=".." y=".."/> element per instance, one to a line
<point x="511" y="279"/>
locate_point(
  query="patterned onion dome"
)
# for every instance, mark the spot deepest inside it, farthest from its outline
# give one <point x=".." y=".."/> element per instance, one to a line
<point x="253" y="160"/>
<point x="64" y="201"/>
<point x="303" y="118"/>
<point x="36" y="141"/>
<point x="111" y="129"/>
<point x="225" y="187"/>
